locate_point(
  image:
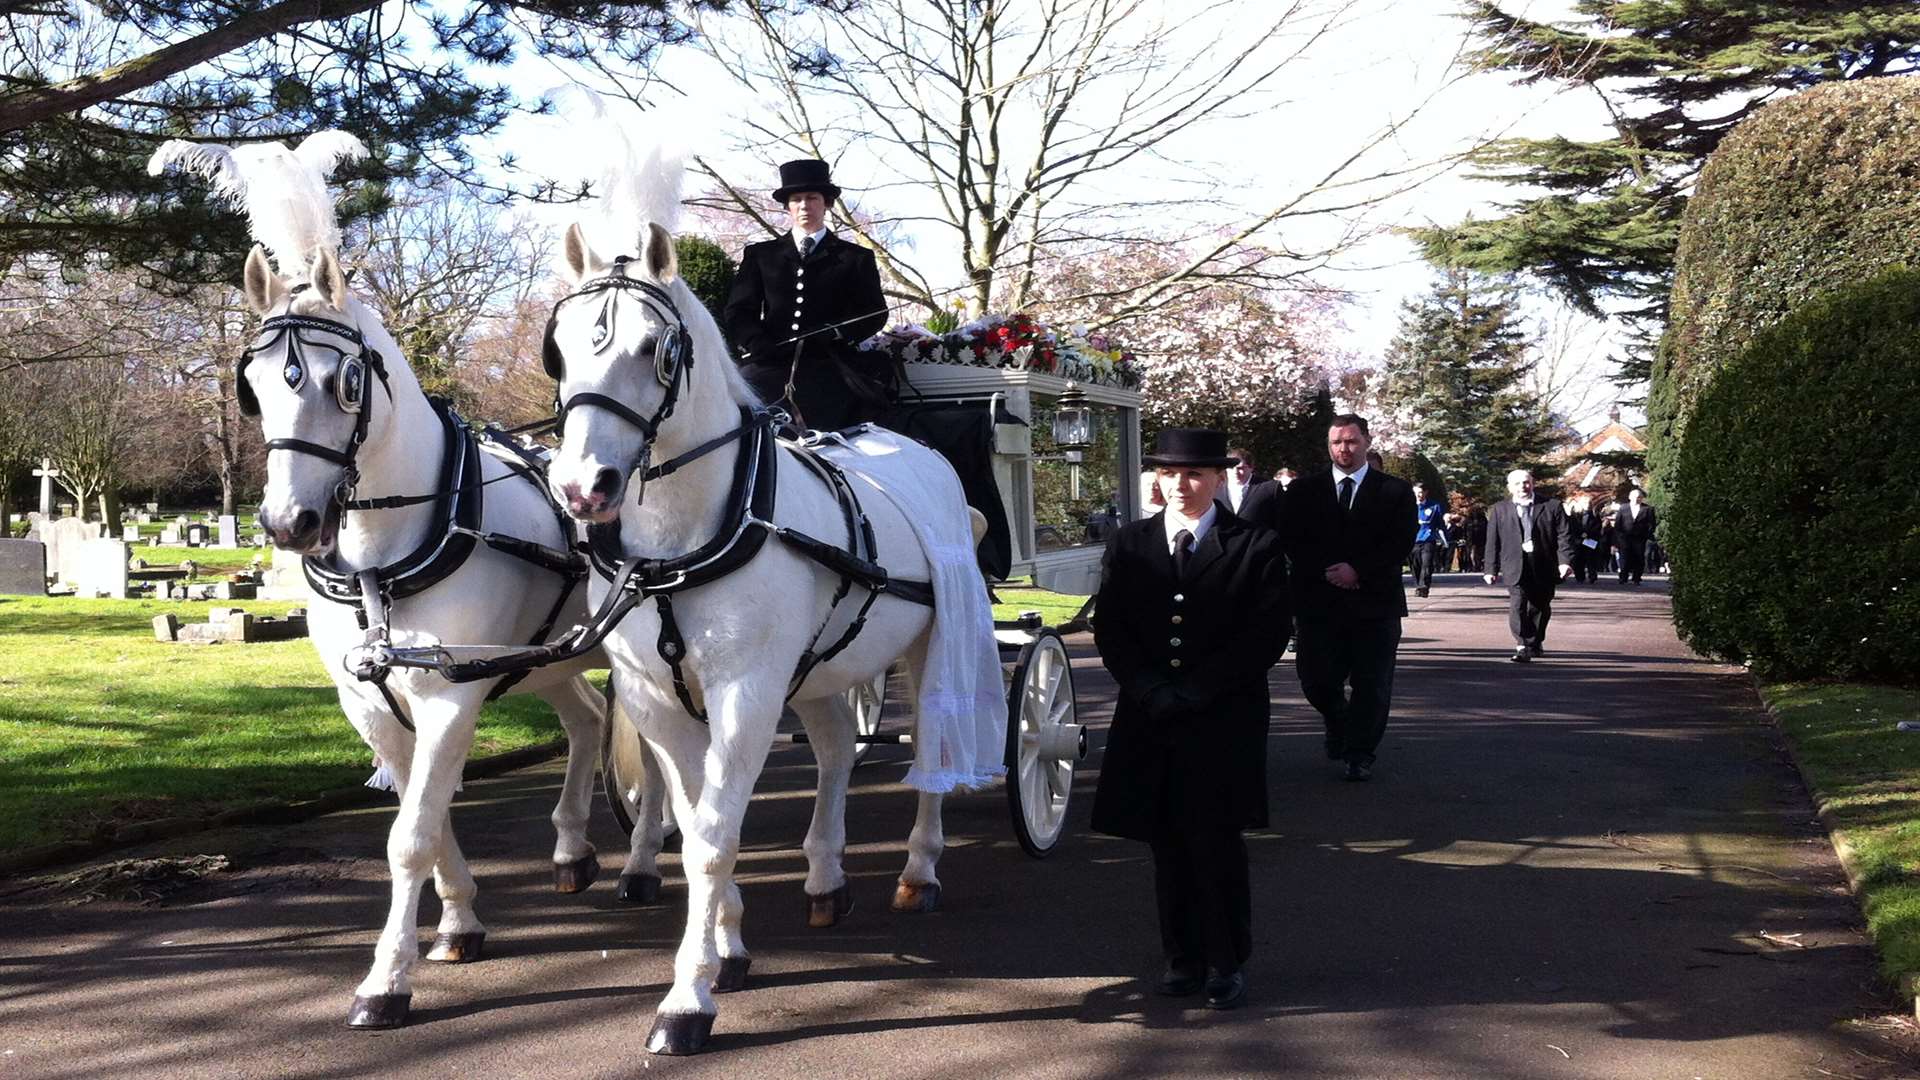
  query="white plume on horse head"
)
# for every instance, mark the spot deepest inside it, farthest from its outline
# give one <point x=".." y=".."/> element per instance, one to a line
<point x="283" y="192"/>
<point x="635" y="161"/>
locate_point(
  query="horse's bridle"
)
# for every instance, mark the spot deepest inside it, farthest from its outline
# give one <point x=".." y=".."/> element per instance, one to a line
<point x="349" y="388"/>
<point x="672" y="356"/>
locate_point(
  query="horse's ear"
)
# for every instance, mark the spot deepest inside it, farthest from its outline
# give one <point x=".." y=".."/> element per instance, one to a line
<point x="263" y="287"/>
<point x="663" y="263"/>
<point x="577" y="257"/>
<point x="328" y="280"/>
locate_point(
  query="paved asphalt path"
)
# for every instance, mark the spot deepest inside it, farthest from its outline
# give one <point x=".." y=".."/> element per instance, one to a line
<point x="1596" y="865"/>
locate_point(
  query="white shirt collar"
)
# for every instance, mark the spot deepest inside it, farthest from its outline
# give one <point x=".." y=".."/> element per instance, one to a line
<point x="800" y="239"/>
<point x="1359" y="476"/>
<point x="1174" y="523"/>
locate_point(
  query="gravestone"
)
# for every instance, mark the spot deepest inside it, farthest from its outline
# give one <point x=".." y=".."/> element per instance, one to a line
<point x="23" y="568"/>
<point x="46" y="472"/>
<point x="198" y="535"/>
<point x="229" y="531"/>
<point x="99" y="568"/>
<point x="170" y="535"/>
<point x="284" y="580"/>
<point x="64" y="538"/>
<point x="143" y="517"/>
<point x="152" y="508"/>
<point x="131" y="534"/>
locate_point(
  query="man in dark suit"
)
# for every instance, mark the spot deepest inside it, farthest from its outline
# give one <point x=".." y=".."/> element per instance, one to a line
<point x="1633" y="529"/>
<point x="1530" y="546"/>
<point x="799" y="306"/>
<point x="1192" y="612"/>
<point x="1593" y="524"/>
<point x="1347" y="531"/>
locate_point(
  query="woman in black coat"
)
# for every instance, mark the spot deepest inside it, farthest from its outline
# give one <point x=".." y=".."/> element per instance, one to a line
<point x="1185" y="761"/>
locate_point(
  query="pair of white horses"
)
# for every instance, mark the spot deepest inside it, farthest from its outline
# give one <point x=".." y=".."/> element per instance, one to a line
<point x="743" y="635"/>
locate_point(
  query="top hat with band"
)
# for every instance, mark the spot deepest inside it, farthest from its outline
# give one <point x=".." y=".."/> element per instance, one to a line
<point x="807" y="174"/>
<point x="1190" y="448"/>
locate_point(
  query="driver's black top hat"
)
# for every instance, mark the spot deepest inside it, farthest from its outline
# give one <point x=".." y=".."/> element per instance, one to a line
<point x="1190" y="448"/>
<point x="807" y="174"/>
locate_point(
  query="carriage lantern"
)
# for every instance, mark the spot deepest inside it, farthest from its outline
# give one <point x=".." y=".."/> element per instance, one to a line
<point x="1072" y="420"/>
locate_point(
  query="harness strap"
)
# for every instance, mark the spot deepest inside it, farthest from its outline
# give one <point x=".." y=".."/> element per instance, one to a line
<point x="673" y="649"/>
<point x="326" y="453"/>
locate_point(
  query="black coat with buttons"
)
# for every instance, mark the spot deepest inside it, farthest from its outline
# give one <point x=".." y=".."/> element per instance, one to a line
<point x="832" y="302"/>
<point x="1191" y="658"/>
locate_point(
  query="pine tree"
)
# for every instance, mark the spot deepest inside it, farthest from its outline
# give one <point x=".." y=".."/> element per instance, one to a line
<point x="1456" y="379"/>
<point x="1601" y="217"/>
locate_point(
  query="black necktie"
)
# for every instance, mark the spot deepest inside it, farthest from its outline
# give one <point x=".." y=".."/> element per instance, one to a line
<point x="1182" y="548"/>
<point x="1346" y="493"/>
<point x="806" y="248"/>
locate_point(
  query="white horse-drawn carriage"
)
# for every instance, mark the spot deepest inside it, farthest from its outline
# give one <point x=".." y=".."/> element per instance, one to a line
<point x="734" y="574"/>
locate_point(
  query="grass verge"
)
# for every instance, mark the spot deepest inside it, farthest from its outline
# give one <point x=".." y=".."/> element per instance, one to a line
<point x="1018" y="595"/>
<point x="102" y="726"/>
<point x="1865" y="778"/>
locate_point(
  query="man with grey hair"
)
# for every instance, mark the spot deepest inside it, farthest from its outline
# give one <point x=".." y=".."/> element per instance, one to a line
<point x="1530" y="545"/>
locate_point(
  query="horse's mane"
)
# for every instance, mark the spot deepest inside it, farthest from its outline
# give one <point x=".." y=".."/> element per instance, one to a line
<point x="283" y="192"/>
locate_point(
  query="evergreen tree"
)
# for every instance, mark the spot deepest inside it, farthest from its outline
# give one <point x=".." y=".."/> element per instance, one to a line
<point x="89" y="94"/>
<point x="1455" y="380"/>
<point x="1601" y="217"/>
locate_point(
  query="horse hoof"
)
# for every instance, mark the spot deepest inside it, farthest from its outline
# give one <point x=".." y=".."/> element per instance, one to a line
<point x="675" y="1034"/>
<point x="379" y="1011"/>
<point x="638" y="889"/>
<point x="462" y="948"/>
<point x="917" y="898"/>
<point x="733" y="974"/>
<point x="575" y="876"/>
<point x="825" y="911"/>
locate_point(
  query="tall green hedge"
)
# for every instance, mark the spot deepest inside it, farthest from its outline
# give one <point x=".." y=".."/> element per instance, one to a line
<point x="1817" y="191"/>
<point x="1795" y="526"/>
<point x="707" y="268"/>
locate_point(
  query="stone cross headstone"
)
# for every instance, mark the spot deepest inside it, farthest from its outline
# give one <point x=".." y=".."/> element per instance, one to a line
<point x="46" y="472"/>
<point x="23" y="568"/>
<point x="229" y="531"/>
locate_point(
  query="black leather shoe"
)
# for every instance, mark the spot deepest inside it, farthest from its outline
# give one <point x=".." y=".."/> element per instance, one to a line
<point x="1358" y="771"/>
<point x="1420" y="592"/>
<point x="1227" y="991"/>
<point x="1536" y="650"/>
<point x="1178" y="982"/>
<point x="1520" y="655"/>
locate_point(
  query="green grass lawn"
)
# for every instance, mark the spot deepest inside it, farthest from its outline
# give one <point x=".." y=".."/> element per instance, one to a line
<point x="209" y="561"/>
<point x="1865" y="776"/>
<point x="1017" y="596"/>
<point x="101" y="725"/>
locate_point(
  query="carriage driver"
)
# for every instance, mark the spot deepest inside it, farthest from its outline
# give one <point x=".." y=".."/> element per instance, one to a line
<point x="1192" y="611"/>
<point x="799" y="306"/>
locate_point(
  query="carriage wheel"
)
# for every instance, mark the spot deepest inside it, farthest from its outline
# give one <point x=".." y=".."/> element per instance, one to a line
<point x="868" y="701"/>
<point x="1043" y="742"/>
<point x="623" y="766"/>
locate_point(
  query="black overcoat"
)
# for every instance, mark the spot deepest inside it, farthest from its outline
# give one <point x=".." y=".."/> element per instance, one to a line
<point x="1374" y="538"/>
<point x="1552" y="544"/>
<point x="1191" y="660"/>
<point x="831" y="302"/>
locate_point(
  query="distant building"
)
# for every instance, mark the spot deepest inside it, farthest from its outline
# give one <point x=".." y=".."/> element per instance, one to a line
<point x="1581" y="479"/>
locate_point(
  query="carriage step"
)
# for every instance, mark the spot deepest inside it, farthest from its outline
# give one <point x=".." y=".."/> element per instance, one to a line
<point x="890" y="739"/>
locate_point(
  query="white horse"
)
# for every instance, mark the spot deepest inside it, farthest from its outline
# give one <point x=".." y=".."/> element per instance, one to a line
<point x="301" y="378"/>
<point x="740" y="638"/>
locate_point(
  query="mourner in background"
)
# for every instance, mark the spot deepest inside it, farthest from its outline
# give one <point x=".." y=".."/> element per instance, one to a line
<point x="1429" y="538"/>
<point x="1347" y="531"/>
<point x="1592" y="537"/>
<point x="1633" y="526"/>
<point x="799" y="306"/>
<point x="1530" y="545"/>
<point x="1192" y="612"/>
<point x="1242" y="477"/>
